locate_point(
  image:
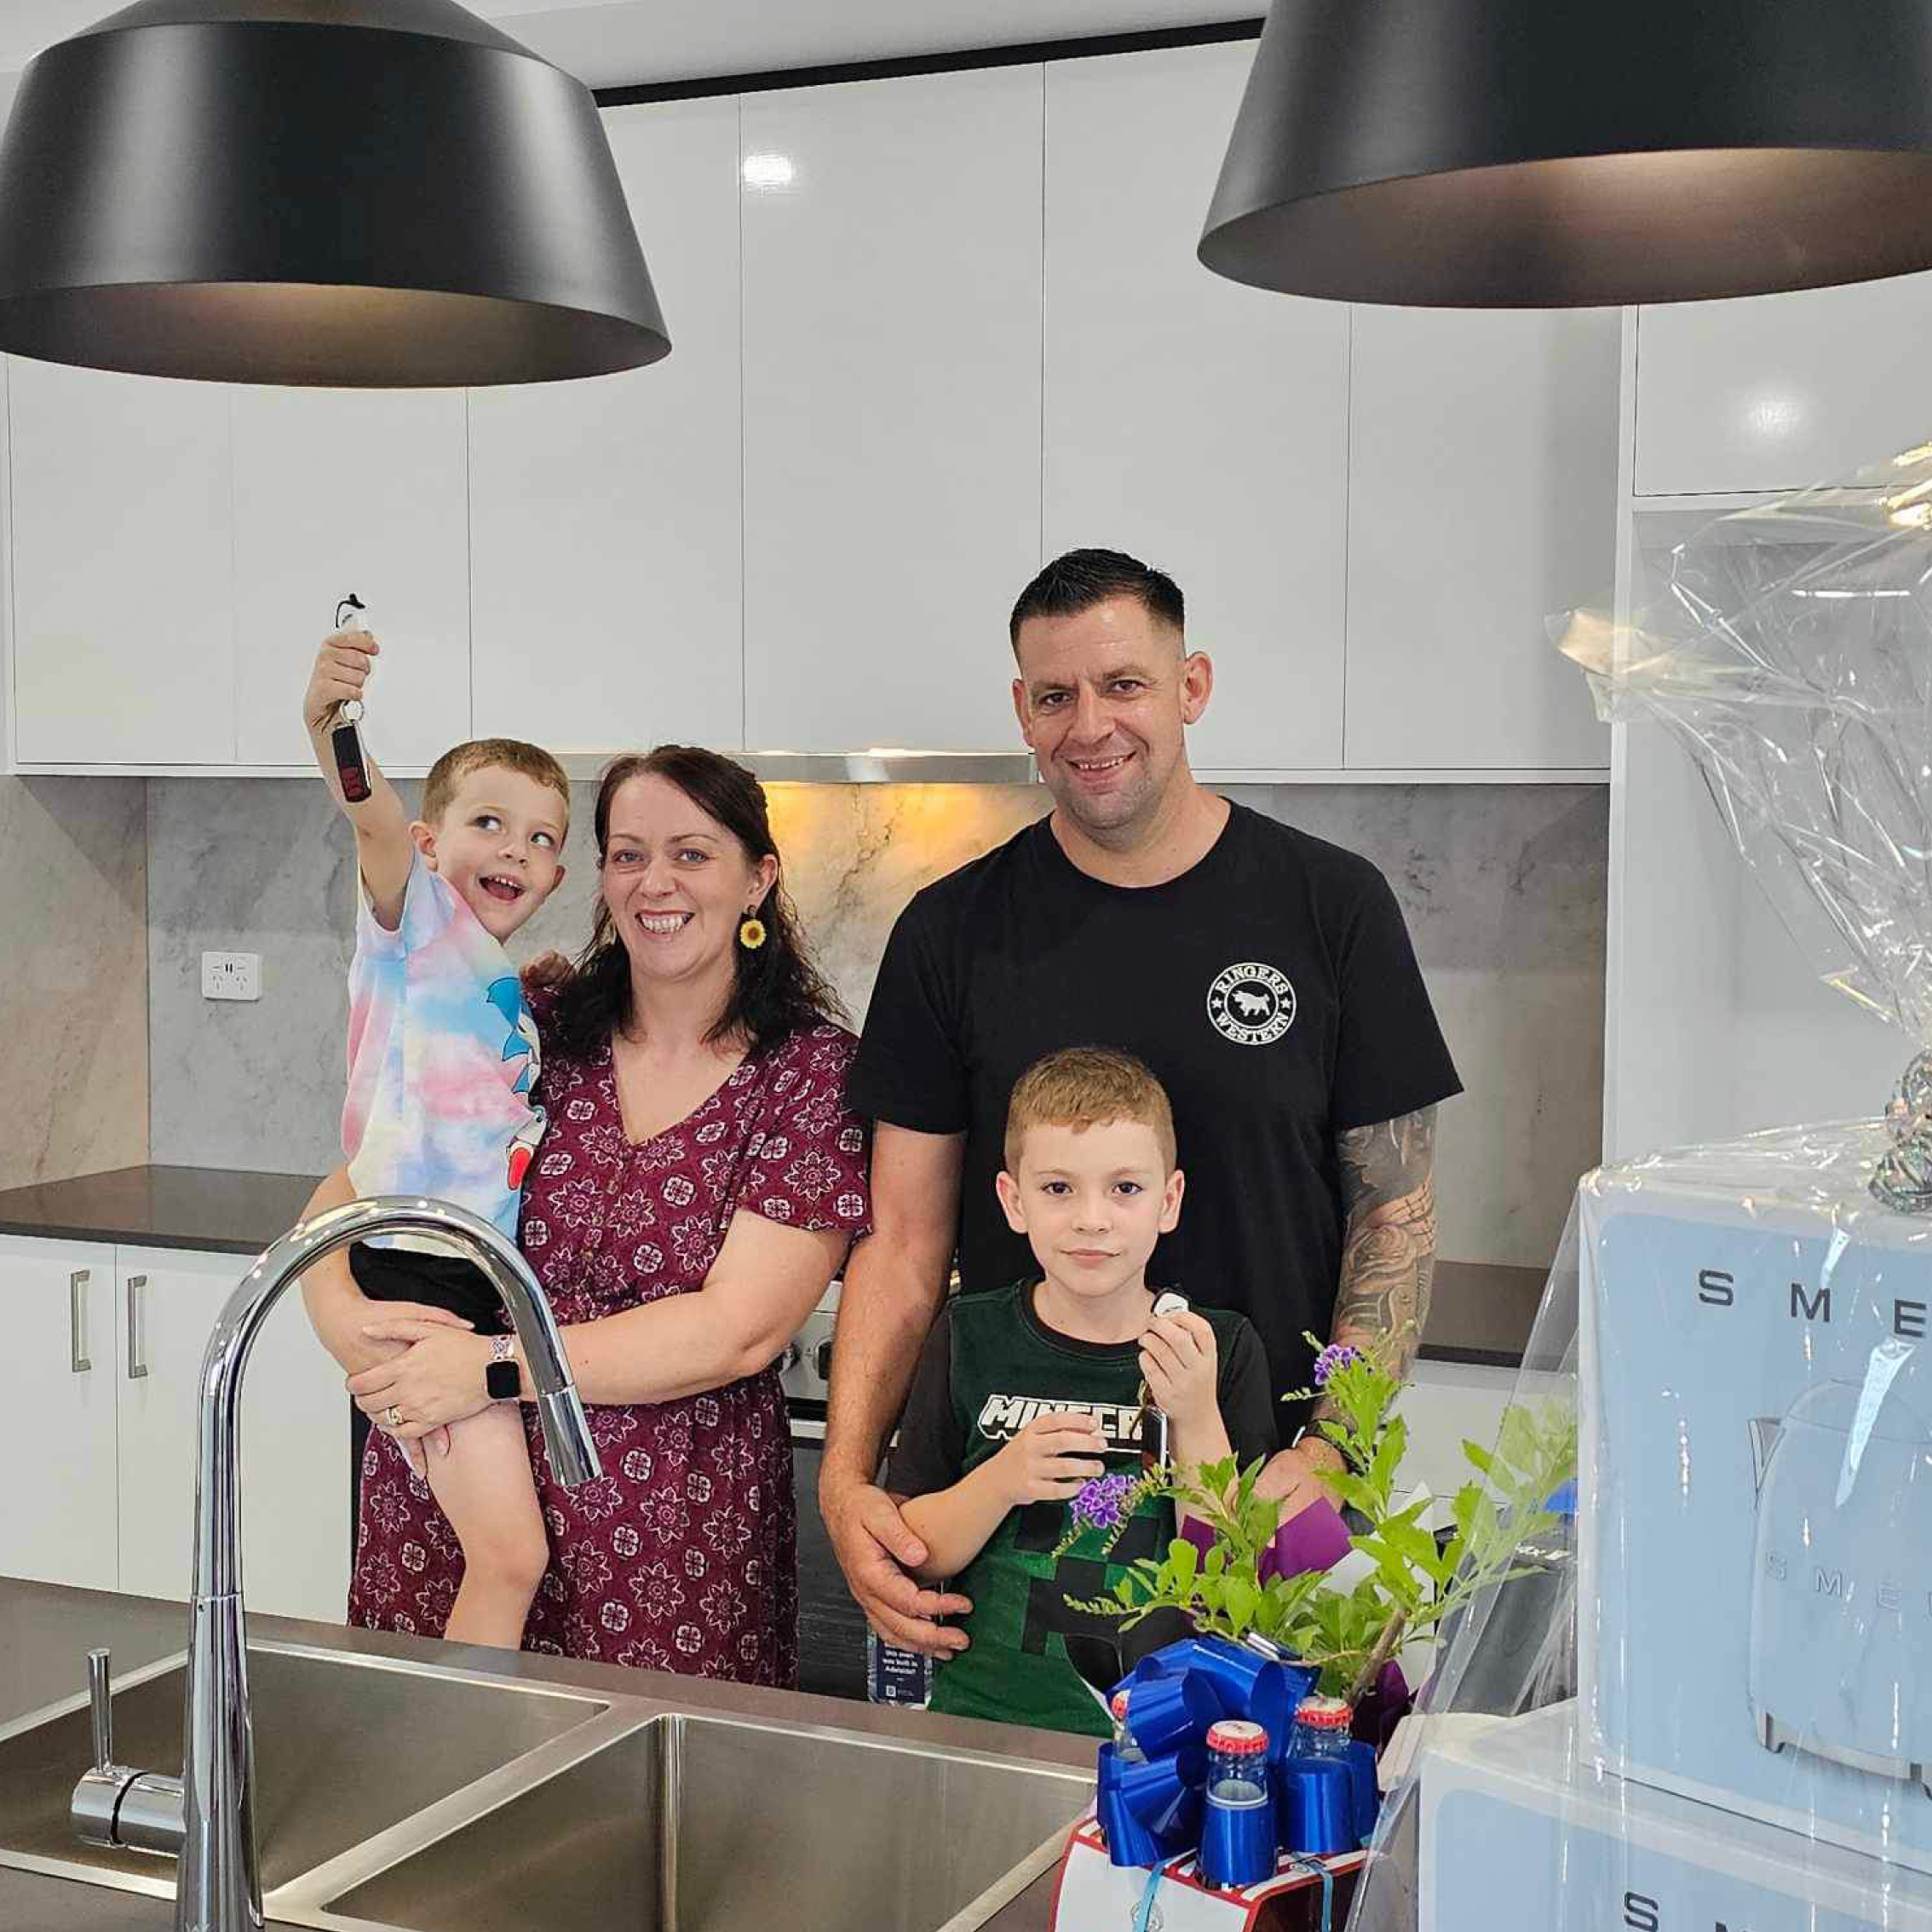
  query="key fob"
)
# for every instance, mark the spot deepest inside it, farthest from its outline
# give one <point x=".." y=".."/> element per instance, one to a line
<point x="352" y="768"/>
<point x="345" y="741"/>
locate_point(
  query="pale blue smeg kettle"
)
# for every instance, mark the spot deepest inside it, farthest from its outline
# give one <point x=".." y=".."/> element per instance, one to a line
<point x="1841" y="1611"/>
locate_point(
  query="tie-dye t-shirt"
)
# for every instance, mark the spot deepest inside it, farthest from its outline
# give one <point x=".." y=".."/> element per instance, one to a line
<point x="443" y="1058"/>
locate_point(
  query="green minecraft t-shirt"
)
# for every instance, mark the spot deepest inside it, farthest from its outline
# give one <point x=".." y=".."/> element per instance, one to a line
<point x="990" y="1366"/>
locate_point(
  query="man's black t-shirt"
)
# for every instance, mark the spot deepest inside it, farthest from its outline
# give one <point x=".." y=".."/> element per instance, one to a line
<point x="1271" y="988"/>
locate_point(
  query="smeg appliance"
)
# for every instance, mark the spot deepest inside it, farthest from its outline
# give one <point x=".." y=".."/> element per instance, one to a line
<point x="1755" y="1529"/>
<point x="1841" y="1602"/>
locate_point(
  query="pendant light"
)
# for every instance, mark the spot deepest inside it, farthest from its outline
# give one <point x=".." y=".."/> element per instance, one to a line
<point x="373" y="193"/>
<point x="1538" y="153"/>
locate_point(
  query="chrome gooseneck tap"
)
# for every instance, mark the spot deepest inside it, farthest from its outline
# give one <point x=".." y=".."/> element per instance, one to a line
<point x="206" y="1817"/>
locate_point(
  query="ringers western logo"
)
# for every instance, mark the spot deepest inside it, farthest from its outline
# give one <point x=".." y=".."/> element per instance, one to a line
<point x="1251" y="1004"/>
<point x="1003" y="1417"/>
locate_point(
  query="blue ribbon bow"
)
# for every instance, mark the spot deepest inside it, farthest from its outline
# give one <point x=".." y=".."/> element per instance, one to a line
<point x="1152" y="1813"/>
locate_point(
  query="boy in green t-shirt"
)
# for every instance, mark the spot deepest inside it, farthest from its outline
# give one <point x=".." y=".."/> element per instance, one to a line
<point x="1025" y="1394"/>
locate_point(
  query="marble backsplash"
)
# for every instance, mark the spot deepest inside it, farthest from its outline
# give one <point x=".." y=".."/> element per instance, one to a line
<point x="74" y="980"/>
<point x="1504" y="887"/>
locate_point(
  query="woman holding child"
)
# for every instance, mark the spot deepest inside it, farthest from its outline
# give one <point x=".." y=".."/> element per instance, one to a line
<point x="696" y="1186"/>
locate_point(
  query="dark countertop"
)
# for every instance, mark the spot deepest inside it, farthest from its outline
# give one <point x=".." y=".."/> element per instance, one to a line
<point x="46" y="1631"/>
<point x="211" y="1209"/>
<point x="1479" y="1313"/>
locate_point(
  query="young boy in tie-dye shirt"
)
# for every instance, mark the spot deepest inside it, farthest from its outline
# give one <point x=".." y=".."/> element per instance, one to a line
<point x="443" y="1064"/>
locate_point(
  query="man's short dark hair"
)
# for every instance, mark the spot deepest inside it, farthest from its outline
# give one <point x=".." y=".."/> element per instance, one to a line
<point x="1082" y="578"/>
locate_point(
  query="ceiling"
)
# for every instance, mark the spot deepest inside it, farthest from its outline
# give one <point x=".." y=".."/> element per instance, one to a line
<point x="617" y="43"/>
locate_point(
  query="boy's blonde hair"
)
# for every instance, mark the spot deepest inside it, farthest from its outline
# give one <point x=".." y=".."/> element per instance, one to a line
<point x="1086" y="1087"/>
<point x="457" y="764"/>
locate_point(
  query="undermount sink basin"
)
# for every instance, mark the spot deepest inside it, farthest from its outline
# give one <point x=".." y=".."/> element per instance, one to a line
<point x="689" y="1824"/>
<point x="344" y="1747"/>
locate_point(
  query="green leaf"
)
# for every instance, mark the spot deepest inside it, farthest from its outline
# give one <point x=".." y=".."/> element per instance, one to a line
<point x="1412" y="1543"/>
<point x="1125" y="1591"/>
<point x="1239" y="1599"/>
<point x="1517" y="1440"/>
<point x="1481" y="1457"/>
<point x="1356" y="1491"/>
<point x="1183" y="1559"/>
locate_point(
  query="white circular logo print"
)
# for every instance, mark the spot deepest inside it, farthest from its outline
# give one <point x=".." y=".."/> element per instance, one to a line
<point x="1251" y="1004"/>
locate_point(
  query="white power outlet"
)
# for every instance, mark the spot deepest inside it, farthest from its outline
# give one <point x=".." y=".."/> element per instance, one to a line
<point x="231" y="975"/>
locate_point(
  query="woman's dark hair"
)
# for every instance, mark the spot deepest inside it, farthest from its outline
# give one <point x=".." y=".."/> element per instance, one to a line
<point x="777" y="990"/>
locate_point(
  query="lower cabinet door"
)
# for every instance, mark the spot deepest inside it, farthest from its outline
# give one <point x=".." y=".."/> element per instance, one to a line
<point x="57" y="1520"/>
<point x="294" y="1445"/>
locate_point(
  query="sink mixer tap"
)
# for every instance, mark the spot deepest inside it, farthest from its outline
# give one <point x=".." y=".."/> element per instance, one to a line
<point x="206" y="1816"/>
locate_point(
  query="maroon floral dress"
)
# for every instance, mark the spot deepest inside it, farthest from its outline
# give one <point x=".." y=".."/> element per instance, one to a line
<point x="682" y="1556"/>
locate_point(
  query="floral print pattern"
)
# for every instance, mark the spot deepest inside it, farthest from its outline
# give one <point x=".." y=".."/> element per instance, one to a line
<point x="682" y="1556"/>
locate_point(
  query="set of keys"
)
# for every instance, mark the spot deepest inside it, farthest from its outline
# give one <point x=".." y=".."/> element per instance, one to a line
<point x="345" y="740"/>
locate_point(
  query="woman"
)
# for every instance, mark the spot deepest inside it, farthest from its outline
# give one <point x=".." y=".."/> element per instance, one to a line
<point x="697" y="1185"/>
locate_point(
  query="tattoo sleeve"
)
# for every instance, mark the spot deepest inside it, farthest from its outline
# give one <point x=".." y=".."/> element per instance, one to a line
<point x="1388" y="1244"/>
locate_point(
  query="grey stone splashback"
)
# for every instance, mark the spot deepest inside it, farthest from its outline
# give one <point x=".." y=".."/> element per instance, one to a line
<point x="73" y="981"/>
<point x="1503" y="886"/>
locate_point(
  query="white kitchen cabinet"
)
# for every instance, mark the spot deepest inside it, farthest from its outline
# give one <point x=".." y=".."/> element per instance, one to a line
<point x="1781" y="392"/>
<point x="342" y="489"/>
<point x="293" y="1466"/>
<point x="1195" y="423"/>
<point x="57" y="1518"/>
<point x="122" y="569"/>
<point x="892" y="286"/>
<point x="607" y="515"/>
<point x="1482" y="498"/>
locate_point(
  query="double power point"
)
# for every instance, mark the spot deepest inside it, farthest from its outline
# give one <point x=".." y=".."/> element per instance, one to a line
<point x="231" y="975"/>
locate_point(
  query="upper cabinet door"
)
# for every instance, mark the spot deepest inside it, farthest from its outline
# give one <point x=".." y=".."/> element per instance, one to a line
<point x="891" y="407"/>
<point x="605" y="514"/>
<point x="1482" y="490"/>
<point x="1781" y="392"/>
<point x="341" y="490"/>
<point x="1199" y="425"/>
<point x="124" y="585"/>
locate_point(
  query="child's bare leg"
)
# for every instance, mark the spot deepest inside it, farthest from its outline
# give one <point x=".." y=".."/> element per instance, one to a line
<point x="486" y="1486"/>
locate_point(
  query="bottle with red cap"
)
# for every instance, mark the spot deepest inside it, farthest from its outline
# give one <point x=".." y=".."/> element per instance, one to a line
<point x="1322" y="1729"/>
<point x="1126" y="1751"/>
<point x="1237" y="1772"/>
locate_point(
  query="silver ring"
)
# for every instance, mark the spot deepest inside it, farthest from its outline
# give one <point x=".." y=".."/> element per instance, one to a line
<point x="393" y="1417"/>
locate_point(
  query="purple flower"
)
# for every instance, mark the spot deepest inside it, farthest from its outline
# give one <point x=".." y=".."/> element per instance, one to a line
<point x="1103" y="1502"/>
<point x="1336" y="1355"/>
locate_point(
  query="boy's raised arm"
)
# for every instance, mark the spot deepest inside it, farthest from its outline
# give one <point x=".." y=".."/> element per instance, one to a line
<point x="383" y="844"/>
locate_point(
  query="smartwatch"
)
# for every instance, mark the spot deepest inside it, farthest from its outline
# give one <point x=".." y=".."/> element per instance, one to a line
<point x="503" y="1379"/>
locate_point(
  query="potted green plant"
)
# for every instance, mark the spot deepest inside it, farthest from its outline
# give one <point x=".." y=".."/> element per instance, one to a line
<point x="1347" y="1632"/>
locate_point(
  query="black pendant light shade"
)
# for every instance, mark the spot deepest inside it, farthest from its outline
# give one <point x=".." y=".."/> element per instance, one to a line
<point x="373" y="193"/>
<point x="1548" y="153"/>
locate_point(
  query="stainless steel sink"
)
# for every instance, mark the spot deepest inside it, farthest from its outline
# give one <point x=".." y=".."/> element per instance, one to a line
<point x="403" y="1797"/>
<point x="687" y="1824"/>
<point x="345" y="1748"/>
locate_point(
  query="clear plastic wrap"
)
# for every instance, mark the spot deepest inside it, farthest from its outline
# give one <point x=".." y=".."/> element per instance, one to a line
<point x="1714" y="1708"/>
<point x="1791" y="655"/>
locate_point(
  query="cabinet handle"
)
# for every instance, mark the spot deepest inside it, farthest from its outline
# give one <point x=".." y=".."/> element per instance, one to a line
<point x="76" y="1319"/>
<point x="137" y="1364"/>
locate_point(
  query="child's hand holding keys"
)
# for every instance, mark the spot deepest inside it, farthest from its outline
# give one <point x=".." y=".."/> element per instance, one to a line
<point x="1178" y="1358"/>
<point x="1045" y="1462"/>
<point x="341" y="669"/>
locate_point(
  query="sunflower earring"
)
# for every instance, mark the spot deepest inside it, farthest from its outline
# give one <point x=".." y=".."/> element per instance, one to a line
<point x="752" y="932"/>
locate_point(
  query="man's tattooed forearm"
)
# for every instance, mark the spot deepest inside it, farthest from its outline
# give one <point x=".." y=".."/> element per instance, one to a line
<point x="1389" y="1248"/>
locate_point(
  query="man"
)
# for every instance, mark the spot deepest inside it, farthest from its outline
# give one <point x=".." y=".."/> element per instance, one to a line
<point x="1266" y="977"/>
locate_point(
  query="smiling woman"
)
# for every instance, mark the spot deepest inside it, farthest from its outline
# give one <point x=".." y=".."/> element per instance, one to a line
<point x="699" y="1183"/>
